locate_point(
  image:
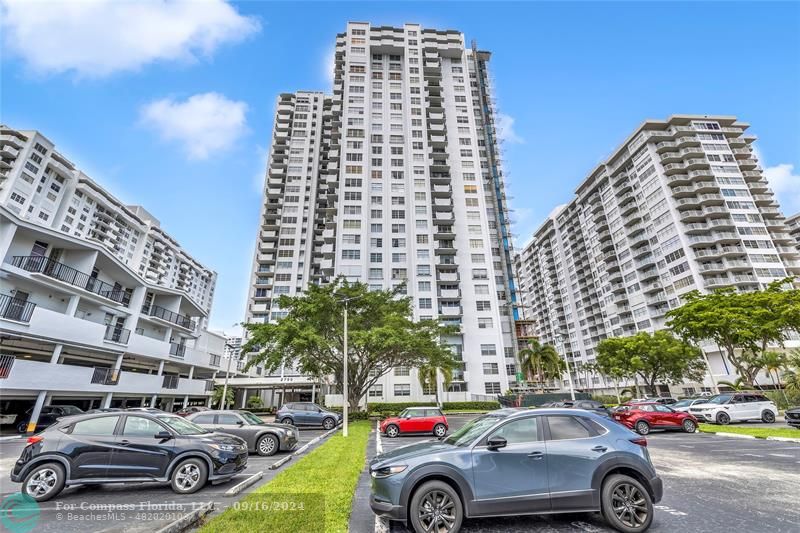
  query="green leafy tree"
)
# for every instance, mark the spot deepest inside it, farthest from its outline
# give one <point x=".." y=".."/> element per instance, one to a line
<point x="541" y="362"/>
<point x="382" y="335"/>
<point x="656" y="358"/>
<point x="216" y="397"/>
<point x="742" y="325"/>
<point x="736" y="385"/>
<point x="774" y="363"/>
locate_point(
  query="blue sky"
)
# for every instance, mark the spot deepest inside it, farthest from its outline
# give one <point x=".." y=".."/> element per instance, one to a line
<point x="105" y="81"/>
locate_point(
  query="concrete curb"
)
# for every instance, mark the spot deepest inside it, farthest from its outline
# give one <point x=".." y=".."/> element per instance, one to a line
<point x="381" y="524"/>
<point x="313" y="441"/>
<point x="233" y="491"/>
<point x="784" y="439"/>
<point x="378" y="441"/>
<point x="188" y="520"/>
<point x="276" y="465"/>
<point x="734" y="435"/>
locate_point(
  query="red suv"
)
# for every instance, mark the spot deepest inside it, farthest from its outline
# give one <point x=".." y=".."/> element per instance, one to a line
<point x="416" y="420"/>
<point x="642" y="417"/>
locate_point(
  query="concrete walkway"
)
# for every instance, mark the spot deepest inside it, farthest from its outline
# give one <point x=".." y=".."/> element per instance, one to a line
<point x="362" y="519"/>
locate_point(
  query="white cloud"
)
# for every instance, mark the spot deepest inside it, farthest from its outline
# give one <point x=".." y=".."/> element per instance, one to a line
<point x="785" y="182"/>
<point x="96" y="38"/>
<point x="505" y="129"/>
<point x="329" y="66"/>
<point x="202" y="123"/>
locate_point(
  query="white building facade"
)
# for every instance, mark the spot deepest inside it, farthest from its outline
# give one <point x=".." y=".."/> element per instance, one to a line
<point x="681" y="205"/>
<point x="99" y="306"/>
<point x="396" y="179"/>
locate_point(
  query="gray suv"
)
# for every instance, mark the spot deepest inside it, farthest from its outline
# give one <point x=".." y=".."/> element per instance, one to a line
<point x="520" y="461"/>
<point x="261" y="437"/>
<point x="307" y="414"/>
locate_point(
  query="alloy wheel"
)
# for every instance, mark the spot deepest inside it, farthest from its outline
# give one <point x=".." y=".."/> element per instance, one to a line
<point x="437" y="512"/>
<point x="629" y="505"/>
<point x="266" y="445"/>
<point x="689" y="426"/>
<point x="42" y="482"/>
<point x="328" y="423"/>
<point x="642" y="428"/>
<point x="392" y="431"/>
<point x="439" y="430"/>
<point x="188" y="476"/>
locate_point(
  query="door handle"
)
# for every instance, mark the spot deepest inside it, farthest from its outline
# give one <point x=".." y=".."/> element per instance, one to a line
<point x="536" y="455"/>
<point x="599" y="449"/>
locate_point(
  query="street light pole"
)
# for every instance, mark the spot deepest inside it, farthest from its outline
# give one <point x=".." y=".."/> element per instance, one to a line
<point x="345" y="406"/>
<point x="227" y="373"/>
<point x="569" y="368"/>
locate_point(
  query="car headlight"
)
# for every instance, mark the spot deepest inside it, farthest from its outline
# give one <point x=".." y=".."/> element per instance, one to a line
<point x="289" y="433"/>
<point x="387" y="471"/>
<point x="226" y="447"/>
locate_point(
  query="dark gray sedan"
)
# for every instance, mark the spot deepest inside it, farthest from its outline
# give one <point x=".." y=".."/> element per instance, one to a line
<point x="261" y="437"/>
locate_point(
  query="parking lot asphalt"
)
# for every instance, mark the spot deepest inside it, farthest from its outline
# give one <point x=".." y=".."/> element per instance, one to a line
<point x="712" y="484"/>
<point x="135" y="507"/>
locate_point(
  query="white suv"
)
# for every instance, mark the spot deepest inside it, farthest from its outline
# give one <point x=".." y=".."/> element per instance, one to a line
<point x="736" y="407"/>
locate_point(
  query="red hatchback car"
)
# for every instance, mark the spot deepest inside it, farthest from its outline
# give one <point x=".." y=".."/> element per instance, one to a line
<point x="416" y="420"/>
<point x="642" y="417"/>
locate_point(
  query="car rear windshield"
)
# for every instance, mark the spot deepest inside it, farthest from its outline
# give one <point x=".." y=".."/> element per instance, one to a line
<point x="467" y="434"/>
<point x="181" y="426"/>
<point x="250" y="417"/>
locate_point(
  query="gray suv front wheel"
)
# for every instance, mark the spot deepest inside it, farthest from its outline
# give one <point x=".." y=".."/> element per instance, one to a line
<point x="626" y="504"/>
<point x="435" y="506"/>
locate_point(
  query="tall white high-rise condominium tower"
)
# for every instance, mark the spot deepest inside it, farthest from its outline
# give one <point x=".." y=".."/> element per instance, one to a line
<point x="396" y="179"/>
<point x="681" y="205"/>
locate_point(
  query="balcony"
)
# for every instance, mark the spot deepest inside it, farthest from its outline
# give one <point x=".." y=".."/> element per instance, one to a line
<point x="104" y="376"/>
<point x="116" y="334"/>
<point x="6" y="364"/>
<point x="15" y="308"/>
<point x="76" y="278"/>
<point x="165" y="314"/>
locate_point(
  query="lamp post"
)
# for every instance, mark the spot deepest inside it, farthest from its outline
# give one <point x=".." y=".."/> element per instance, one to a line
<point x="345" y="376"/>
<point x="560" y="337"/>
<point x="228" y="370"/>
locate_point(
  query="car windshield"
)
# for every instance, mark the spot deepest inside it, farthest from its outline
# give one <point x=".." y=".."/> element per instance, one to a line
<point x="403" y="413"/>
<point x="250" y="417"/>
<point x="683" y="403"/>
<point x="181" y="426"/>
<point x="719" y="399"/>
<point x="472" y="430"/>
<point x="71" y="410"/>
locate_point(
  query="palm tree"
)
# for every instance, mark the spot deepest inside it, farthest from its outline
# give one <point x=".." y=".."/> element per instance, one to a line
<point x="775" y="362"/>
<point x="429" y="377"/>
<point x="542" y="362"/>
<point x="737" y="385"/>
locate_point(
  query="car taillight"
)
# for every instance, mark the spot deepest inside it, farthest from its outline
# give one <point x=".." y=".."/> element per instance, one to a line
<point x="641" y="441"/>
<point x="34" y="439"/>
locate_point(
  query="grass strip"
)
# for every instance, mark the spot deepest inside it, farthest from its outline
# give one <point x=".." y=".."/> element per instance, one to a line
<point x="313" y="495"/>
<point x="758" y="432"/>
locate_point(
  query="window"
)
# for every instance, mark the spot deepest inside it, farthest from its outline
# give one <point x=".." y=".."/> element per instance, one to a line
<point x="488" y="349"/>
<point x="138" y="426"/>
<point x="96" y="426"/>
<point x="227" y="420"/>
<point x="519" y="431"/>
<point x="483" y="305"/>
<point x="203" y="419"/>
<point x="566" y="427"/>
<point x="376" y="391"/>
<point x="485" y="323"/>
<point x="403" y="389"/>
<point x="491" y="368"/>
<point x="401" y="371"/>
<point x="492" y="387"/>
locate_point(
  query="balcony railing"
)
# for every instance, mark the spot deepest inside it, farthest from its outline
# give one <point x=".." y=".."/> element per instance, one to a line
<point x="117" y="334"/>
<point x="170" y="382"/>
<point x="15" y="308"/>
<point x="6" y="364"/>
<point x="67" y="274"/>
<point x="105" y="376"/>
<point x="209" y="385"/>
<point x="170" y="316"/>
<point x="177" y="350"/>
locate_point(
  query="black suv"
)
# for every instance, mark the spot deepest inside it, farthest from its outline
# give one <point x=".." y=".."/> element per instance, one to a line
<point x="126" y="447"/>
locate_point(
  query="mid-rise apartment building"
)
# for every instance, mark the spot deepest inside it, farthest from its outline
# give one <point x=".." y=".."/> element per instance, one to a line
<point x="793" y="223"/>
<point x="681" y="205"/>
<point x="392" y="180"/>
<point x="99" y="306"/>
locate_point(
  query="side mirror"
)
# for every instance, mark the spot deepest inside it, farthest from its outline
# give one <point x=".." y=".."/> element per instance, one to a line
<point x="163" y="435"/>
<point x="495" y="443"/>
<point x="407" y="417"/>
<point x="240" y="423"/>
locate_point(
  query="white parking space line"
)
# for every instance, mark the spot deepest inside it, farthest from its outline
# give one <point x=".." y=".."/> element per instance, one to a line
<point x="752" y="455"/>
<point x="782" y="455"/>
<point x="686" y="446"/>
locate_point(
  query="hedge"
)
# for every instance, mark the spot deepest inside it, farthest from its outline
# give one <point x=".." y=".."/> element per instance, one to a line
<point x="386" y="409"/>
